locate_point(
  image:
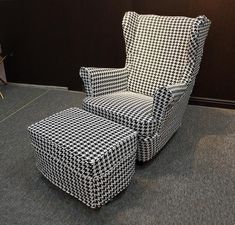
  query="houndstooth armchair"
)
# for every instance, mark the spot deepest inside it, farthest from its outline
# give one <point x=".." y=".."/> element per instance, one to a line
<point x="150" y="94"/>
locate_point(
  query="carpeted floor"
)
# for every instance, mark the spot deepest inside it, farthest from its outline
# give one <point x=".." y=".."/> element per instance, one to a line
<point x="191" y="181"/>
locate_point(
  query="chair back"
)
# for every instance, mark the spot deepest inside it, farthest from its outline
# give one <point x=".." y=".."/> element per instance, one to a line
<point x="162" y="50"/>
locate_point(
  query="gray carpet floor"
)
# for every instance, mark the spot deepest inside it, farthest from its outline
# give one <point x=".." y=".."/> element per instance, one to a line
<point x="191" y="181"/>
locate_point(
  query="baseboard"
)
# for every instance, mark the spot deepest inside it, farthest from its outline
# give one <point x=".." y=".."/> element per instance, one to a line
<point x="38" y="86"/>
<point x="212" y="102"/>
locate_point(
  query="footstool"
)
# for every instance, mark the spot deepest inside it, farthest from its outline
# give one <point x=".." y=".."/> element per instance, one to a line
<point x="87" y="156"/>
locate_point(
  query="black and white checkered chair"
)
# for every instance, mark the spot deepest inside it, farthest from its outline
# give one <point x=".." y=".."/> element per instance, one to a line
<point x="151" y="93"/>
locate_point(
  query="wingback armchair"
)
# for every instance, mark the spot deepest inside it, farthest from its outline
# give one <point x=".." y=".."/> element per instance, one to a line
<point x="151" y="92"/>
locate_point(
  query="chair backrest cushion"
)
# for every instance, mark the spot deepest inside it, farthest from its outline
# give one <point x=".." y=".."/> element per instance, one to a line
<point x="158" y="49"/>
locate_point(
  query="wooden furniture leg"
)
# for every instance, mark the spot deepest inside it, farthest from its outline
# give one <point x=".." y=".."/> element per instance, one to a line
<point x="3" y="81"/>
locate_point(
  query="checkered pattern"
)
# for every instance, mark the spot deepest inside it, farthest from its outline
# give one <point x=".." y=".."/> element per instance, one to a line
<point x="129" y="24"/>
<point x="101" y="81"/>
<point x="149" y="146"/>
<point x="164" y="97"/>
<point x="87" y="156"/>
<point x="163" y="59"/>
<point x="130" y="109"/>
<point x="159" y="53"/>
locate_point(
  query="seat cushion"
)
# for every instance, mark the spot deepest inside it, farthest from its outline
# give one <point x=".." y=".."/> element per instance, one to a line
<point x="130" y="109"/>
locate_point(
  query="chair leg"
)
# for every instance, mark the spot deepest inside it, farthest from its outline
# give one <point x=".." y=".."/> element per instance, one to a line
<point x="1" y="95"/>
<point x="3" y="81"/>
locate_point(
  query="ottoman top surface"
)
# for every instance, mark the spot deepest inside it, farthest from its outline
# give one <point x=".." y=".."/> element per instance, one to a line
<point x="81" y="133"/>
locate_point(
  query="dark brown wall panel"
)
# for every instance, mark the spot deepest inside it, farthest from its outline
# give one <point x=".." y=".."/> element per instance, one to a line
<point x="9" y="24"/>
<point x="58" y="37"/>
<point x="217" y="76"/>
<point x="50" y="39"/>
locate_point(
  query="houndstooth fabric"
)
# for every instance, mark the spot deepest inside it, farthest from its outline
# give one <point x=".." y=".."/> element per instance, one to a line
<point x="87" y="156"/>
<point x="139" y="113"/>
<point x="127" y="108"/>
<point x="129" y="24"/>
<point x="196" y="44"/>
<point x="163" y="56"/>
<point x="164" y="97"/>
<point x="100" y="81"/>
<point x="159" y="53"/>
<point x="149" y="146"/>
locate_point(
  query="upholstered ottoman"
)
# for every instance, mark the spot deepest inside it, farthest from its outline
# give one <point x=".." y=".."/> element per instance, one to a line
<point x="87" y="156"/>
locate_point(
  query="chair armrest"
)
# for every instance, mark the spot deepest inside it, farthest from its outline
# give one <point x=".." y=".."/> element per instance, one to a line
<point x="166" y="97"/>
<point x="101" y="81"/>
